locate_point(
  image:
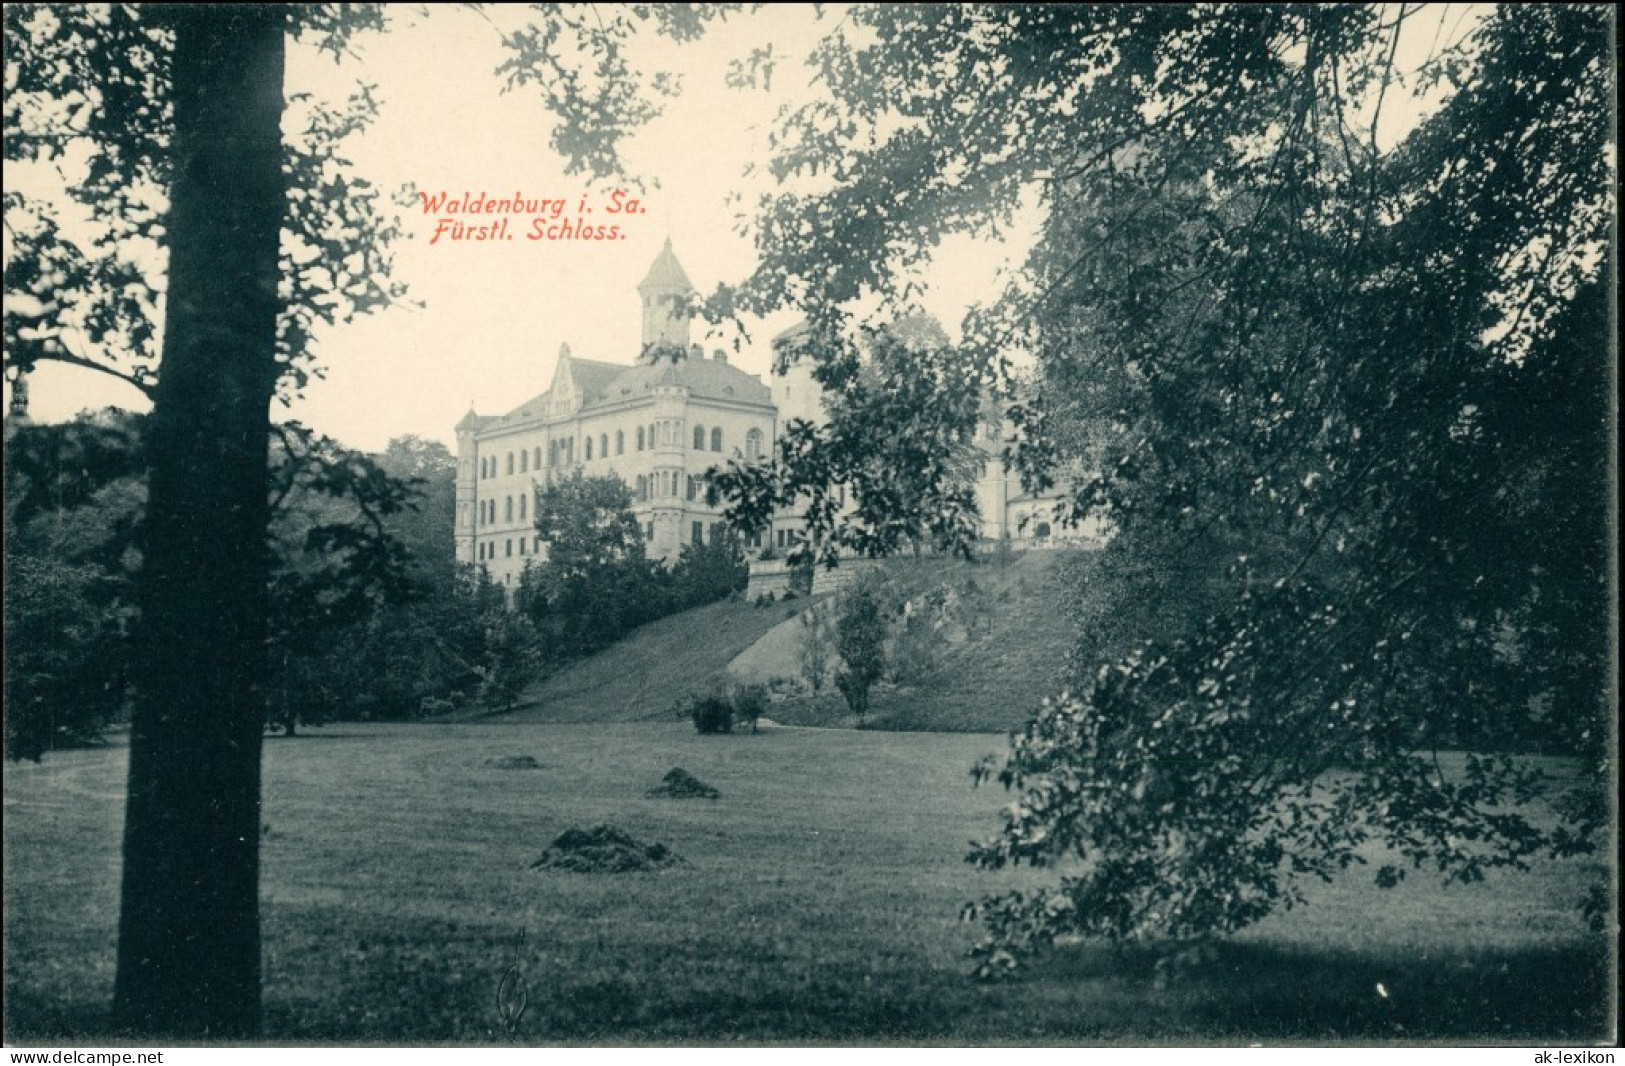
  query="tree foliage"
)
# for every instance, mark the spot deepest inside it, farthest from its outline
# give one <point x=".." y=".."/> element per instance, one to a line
<point x="1335" y="378"/>
<point x="342" y="550"/>
<point x="593" y="582"/>
<point x="709" y="570"/>
<point x="866" y="493"/>
<point x="73" y="504"/>
<point x="64" y="664"/>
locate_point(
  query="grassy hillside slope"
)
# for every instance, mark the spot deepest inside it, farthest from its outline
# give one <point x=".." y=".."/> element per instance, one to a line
<point x="988" y="682"/>
<point x="646" y="675"/>
<point x="993" y="679"/>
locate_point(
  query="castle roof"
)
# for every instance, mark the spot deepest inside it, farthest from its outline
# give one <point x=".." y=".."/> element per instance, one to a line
<point x="602" y="384"/>
<point x="705" y="379"/>
<point x="666" y="274"/>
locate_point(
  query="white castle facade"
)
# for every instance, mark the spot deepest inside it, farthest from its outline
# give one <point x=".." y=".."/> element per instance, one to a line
<point x="659" y="424"/>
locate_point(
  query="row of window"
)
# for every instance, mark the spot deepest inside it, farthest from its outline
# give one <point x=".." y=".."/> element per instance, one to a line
<point x="488" y="510"/>
<point x="660" y="483"/>
<point x="667" y="483"/>
<point x="562" y="451"/>
<point x="486" y="550"/>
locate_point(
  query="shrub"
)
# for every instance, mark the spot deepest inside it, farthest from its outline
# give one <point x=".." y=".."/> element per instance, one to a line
<point x="916" y="644"/>
<point x="1003" y="551"/>
<point x="749" y="701"/>
<point x="815" y="649"/>
<point x="712" y="714"/>
<point x="860" y="637"/>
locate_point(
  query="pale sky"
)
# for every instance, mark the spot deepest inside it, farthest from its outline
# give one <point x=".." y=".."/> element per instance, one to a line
<point x="495" y="313"/>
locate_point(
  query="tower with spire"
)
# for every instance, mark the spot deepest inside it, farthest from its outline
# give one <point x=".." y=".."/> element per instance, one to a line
<point x="665" y="325"/>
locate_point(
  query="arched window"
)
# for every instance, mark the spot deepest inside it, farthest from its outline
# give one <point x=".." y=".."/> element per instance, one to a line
<point x="699" y="437"/>
<point x="538" y="456"/>
<point x="716" y="439"/>
<point x="524" y="461"/>
<point x="643" y="486"/>
<point x="640" y="438"/>
<point x="693" y="487"/>
<point x="507" y="510"/>
<point x="620" y="442"/>
<point x="603" y="445"/>
<point x="552" y="453"/>
<point x="651" y="434"/>
<point x="510" y="462"/>
<point x="753" y="444"/>
<point x="521" y="507"/>
<point x="589" y="449"/>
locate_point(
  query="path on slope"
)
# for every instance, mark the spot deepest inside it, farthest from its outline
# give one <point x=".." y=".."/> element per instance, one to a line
<point x="647" y="674"/>
<point x="988" y="684"/>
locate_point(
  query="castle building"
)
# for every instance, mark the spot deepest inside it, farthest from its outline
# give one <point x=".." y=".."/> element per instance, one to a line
<point x="659" y="424"/>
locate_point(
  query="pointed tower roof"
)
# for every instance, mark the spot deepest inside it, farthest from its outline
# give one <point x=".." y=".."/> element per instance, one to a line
<point x="471" y="421"/>
<point x="666" y="274"/>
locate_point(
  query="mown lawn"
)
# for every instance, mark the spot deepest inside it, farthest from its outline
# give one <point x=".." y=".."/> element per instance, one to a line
<point x="817" y="901"/>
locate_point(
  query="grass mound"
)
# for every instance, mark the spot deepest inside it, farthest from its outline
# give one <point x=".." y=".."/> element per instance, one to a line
<point x="512" y="762"/>
<point x="680" y="784"/>
<point x="603" y="849"/>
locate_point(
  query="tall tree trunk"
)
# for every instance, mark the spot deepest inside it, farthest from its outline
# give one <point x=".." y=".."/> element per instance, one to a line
<point x="189" y="947"/>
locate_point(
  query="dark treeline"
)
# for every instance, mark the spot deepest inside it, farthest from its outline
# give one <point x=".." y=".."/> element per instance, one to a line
<point x="372" y="617"/>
